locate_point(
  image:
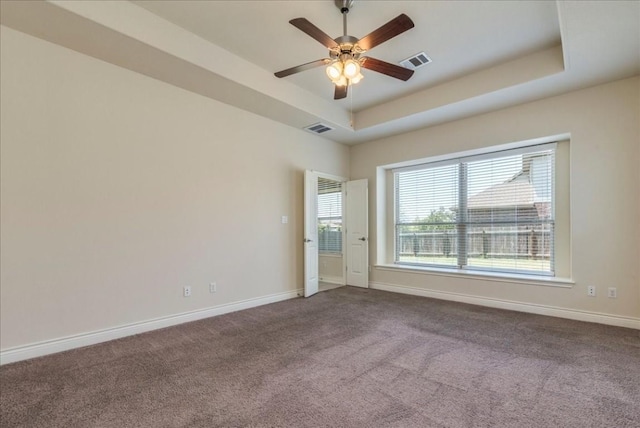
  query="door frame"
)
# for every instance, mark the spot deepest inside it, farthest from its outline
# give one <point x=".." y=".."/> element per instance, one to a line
<point x="343" y="189"/>
<point x="341" y="180"/>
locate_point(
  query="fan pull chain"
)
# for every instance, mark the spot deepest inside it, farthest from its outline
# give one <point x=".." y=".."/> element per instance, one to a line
<point x="351" y="109"/>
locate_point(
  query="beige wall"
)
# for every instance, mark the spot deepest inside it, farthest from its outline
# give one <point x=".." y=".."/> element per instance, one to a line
<point x="118" y="190"/>
<point x="604" y="124"/>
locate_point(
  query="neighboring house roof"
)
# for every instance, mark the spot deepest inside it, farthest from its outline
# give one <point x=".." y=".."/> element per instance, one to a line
<point x="515" y="192"/>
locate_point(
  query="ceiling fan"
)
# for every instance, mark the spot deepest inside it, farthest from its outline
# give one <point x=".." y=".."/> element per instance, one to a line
<point x="345" y="52"/>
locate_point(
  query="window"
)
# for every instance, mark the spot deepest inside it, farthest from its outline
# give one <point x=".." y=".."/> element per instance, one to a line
<point x="329" y="216"/>
<point x="490" y="212"/>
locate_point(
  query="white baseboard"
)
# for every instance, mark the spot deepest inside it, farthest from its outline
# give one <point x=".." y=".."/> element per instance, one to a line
<point x="572" y="314"/>
<point x="332" y="280"/>
<point x="91" y="338"/>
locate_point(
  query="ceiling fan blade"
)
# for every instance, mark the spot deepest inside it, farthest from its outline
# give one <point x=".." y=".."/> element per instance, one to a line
<point x="301" y="67"/>
<point x="386" y="68"/>
<point x="397" y="25"/>
<point x="313" y="31"/>
<point x="341" y="92"/>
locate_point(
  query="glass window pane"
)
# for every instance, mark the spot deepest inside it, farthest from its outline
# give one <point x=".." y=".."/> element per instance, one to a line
<point x="508" y="224"/>
<point x="329" y="216"/>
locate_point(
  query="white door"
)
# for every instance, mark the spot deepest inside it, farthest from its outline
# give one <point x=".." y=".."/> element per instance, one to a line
<point x="310" y="233"/>
<point x="357" y="225"/>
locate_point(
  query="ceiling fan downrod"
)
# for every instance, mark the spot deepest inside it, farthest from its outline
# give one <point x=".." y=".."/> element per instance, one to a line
<point x="346" y="43"/>
<point x="344" y="6"/>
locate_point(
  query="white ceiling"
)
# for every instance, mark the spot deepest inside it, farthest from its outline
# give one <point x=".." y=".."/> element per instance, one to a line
<point x="456" y="35"/>
<point x="486" y="54"/>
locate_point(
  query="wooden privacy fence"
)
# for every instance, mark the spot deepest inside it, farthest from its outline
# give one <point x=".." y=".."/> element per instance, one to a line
<point x="489" y="244"/>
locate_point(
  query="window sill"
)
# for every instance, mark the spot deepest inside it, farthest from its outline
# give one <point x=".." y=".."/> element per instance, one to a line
<point x="337" y="255"/>
<point x="482" y="276"/>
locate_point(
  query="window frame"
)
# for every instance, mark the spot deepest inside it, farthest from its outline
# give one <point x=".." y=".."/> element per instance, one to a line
<point x="463" y="224"/>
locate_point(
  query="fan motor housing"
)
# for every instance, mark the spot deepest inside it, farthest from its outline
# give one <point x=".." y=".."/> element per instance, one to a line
<point x="348" y="45"/>
<point x="346" y="40"/>
<point x="344" y="4"/>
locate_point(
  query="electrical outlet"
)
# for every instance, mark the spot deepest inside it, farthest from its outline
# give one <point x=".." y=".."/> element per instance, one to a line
<point x="612" y="292"/>
<point x="213" y="287"/>
<point x="591" y="291"/>
<point x="186" y="291"/>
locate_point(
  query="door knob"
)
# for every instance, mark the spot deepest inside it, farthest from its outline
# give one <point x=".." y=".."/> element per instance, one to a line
<point x="362" y="239"/>
<point x="308" y="240"/>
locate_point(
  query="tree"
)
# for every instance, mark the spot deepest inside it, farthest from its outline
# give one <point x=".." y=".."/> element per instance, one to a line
<point x="446" y="217"/>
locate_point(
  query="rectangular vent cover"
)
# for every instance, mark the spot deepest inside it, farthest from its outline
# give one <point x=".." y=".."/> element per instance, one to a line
<point x="416" y="61"/>
<point x="318" y="128"/>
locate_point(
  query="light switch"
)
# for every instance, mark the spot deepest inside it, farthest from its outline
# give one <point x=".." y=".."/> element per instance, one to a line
<point x="285" y="219"/>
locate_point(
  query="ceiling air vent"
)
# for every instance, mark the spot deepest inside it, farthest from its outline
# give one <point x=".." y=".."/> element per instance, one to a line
<point x="318" y="128"/>
<point x="416" y="61"/>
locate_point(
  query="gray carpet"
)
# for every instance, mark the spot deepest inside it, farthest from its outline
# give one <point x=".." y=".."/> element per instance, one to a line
<point x="343" y="358"/>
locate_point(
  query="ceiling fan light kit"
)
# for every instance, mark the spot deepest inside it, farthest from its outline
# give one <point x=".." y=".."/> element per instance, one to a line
<point x="351" y="68"/>
<point x="344" y="71"/>
<point x="345" y="61"/>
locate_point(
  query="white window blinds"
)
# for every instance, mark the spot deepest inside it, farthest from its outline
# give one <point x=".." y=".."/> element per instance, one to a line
<point x="489" y="212"/>
<point x="329" y="216"/>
